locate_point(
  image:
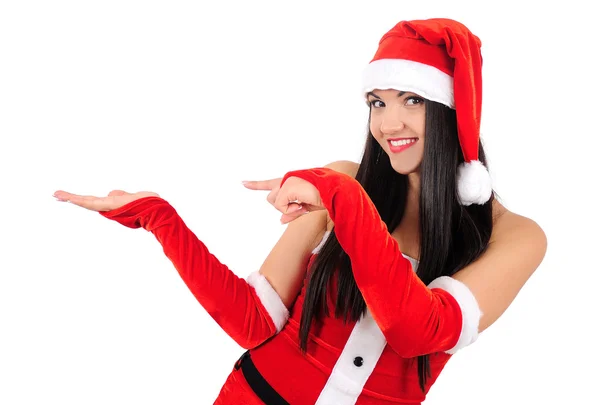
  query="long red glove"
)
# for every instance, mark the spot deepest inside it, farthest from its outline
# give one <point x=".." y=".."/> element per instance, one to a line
<point x="415" y="319"/>
<point x="248" y="311"/>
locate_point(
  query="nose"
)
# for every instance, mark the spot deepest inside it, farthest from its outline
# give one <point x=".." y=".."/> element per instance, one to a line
<point x="391" y="122"/>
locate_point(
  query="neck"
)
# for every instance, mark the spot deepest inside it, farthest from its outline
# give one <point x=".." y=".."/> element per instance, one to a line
<point x="407" y="233"/>
<point x="412" y="202"/>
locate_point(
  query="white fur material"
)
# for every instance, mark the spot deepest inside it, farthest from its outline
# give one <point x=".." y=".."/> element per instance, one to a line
<point x="471" y="314"/>
<point x="474" y="183"/>
<point x="347" y="380"/>
<point x="270" y="299"/>
<point x="323" y="240"/>
<point x="407" y="75"/>
<point x="413" y="262"/>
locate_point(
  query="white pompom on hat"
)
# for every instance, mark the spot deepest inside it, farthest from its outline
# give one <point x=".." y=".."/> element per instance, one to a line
<point x="440" y="60"/>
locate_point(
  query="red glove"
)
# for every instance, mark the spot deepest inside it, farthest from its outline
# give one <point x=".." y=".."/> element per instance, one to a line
<point x="250" y="312"/>
<point x="415" y="319"/>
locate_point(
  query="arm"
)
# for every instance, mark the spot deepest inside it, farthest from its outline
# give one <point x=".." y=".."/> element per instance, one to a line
<point x="417" y="319"/>
<point x="247" y="311"/>
<point x="252" y="310"/>
<point x="285" y="267"/>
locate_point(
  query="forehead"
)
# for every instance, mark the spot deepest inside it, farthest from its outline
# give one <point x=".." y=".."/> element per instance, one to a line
<point x="389" y="93"/>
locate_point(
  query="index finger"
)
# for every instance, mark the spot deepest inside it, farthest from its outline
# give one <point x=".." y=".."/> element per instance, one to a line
<point x="262" y="184"/>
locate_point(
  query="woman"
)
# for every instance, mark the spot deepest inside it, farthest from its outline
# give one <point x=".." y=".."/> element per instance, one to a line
<point x="402" y="261"/>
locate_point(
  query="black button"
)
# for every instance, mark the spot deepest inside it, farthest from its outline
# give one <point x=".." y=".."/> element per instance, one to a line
<point x="358" y="361"/>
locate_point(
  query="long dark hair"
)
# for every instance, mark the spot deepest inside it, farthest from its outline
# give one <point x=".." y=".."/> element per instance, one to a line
<point x="452" y="235"/>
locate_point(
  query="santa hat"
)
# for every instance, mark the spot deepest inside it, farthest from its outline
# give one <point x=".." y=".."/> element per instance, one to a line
<point x="440" y="60"/>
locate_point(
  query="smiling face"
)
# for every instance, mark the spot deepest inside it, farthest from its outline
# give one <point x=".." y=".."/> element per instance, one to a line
<point x="398" y="124"/>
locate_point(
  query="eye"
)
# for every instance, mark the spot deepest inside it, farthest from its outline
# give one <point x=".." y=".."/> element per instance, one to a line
<point x="414" y="100"/>
<point x="376" y="103"/>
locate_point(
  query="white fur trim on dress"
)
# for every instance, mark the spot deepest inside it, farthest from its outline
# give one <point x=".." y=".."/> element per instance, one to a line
<point x="347" y="379"/>
<point x="474" y="183"/>
<point x="323" y="240"/>
<point x="270" y="299"/>
<point x="469" y="307"/>
<point x="407" y="75"/>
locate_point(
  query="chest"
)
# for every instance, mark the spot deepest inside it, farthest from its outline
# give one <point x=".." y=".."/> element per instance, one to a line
<point x="408" y="239"/>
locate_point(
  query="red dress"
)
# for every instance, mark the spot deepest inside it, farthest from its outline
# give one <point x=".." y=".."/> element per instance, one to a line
<point x="372" y="361"/>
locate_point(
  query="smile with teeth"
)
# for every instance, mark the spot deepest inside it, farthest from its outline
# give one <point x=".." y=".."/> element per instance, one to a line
<point x="399" y="145"/>
<point x="403" y="142"/>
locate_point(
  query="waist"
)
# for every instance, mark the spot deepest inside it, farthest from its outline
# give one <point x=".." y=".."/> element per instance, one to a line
<point x="303" y="376"/>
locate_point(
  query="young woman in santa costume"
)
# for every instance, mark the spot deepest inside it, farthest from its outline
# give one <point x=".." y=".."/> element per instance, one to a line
<point x="402" y="260"/>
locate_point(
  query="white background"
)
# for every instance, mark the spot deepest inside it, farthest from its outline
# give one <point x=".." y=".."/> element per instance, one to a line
<point x="188" y="100"/>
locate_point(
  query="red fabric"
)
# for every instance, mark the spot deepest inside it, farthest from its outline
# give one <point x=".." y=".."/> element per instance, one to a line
<point x="237" y="391"/>
<point x="229" y="300"/>
<point x="414" y="319"/>
<point x="234" y="305"/>
<point x="394" y="47"/>
<point x="449" y="46"/>
<point x="300" y="379"/>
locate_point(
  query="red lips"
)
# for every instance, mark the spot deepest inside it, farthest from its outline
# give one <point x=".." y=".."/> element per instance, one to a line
<point x="398" y="149"/>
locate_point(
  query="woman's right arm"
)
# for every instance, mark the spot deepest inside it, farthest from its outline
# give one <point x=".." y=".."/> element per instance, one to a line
<point x="252" y="310"/>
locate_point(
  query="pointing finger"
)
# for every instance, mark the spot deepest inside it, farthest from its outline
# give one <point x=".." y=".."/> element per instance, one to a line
<point x="262" y="184"/>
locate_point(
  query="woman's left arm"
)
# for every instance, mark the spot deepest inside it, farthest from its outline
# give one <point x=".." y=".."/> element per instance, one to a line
<point x="450" y="312"/>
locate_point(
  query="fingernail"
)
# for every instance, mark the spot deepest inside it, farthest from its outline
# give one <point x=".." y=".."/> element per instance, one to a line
<point x="245" y="182"/>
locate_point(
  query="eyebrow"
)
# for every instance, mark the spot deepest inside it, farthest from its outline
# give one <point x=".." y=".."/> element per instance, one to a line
<point x="400" y="94"/>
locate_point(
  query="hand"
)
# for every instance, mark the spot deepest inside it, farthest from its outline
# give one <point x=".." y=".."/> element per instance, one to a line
<point x="295" y="198"/>
<point x="115" y="199"/>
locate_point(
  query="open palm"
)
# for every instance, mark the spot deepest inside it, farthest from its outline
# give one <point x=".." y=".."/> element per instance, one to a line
<point x="114" y="200"/>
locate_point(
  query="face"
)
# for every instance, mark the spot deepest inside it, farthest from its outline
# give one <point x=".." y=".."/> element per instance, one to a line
<point x="398" y="124"/>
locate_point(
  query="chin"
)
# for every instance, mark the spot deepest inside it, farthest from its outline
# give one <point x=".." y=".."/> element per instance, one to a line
<point x="405" y="167"/>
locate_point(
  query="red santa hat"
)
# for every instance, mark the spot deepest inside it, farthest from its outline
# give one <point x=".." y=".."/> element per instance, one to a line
<point x="440" y="60"/>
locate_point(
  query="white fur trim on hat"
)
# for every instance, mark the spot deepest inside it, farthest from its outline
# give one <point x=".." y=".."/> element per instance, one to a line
<point x="270" y="299"/>
<point x="474" y="183"/>
<point x="407" y="75"/>
<point x="468" y="306"/>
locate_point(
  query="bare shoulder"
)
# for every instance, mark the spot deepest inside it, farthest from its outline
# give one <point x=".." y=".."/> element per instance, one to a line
<point x="344" y="166"/>
<point x="516" y="249"/>
<point x="517" y="241"/>
<point x="509" y="225"/>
